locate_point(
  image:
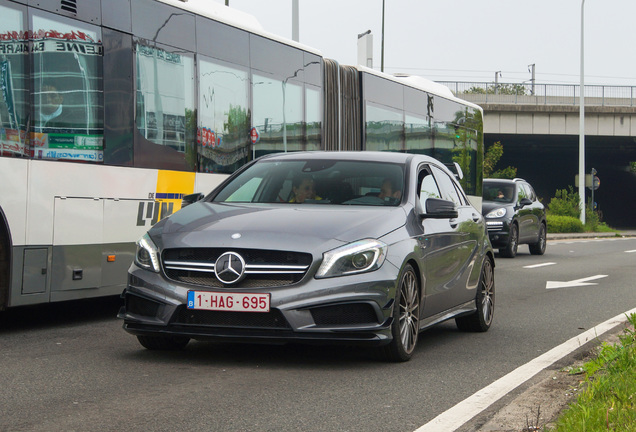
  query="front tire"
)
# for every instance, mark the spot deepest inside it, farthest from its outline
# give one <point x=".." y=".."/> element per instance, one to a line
<point x="163" y="343"/>
<point x="510" y="251"/>
<point x="481" y="319"/>
<point x="406" y="318"/>
<point x="538" y="248"/>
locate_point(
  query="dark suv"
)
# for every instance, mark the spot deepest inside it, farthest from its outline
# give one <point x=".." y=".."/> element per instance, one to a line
<point x="514" y="216"/>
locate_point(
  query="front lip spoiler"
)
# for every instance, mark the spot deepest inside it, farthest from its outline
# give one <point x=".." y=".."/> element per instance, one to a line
<point x="377" y="337"/>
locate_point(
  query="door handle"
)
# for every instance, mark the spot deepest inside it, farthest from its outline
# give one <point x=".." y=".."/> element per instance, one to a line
<point x="453" y="223"/>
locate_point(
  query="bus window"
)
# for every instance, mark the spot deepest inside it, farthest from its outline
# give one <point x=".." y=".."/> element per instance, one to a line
<point x="68" y="102"/>
<point x="224" y="117"/>
<point x="14" y="51"/>
<point x="418" y="134"/>
<point x="384" y="128"/>
<point x="313" y="110"/>
<point x="165" y="118"/>
<point x="278" y="114"/>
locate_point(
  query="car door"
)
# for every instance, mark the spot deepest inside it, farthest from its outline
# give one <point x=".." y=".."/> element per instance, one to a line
<point x="449" y="246"/>
<point x="528" y="220"/>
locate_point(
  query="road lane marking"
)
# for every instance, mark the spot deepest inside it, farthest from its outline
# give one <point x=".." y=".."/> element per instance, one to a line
<point x="539" y="265"/>
<point x="455" y="417"/>
<point x="631" y="251"/>
<point x="573" y="283"/>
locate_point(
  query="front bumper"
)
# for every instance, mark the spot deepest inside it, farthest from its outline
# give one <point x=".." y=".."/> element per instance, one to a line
<point x="350" y="309"/>
<point x="498" y="232"/>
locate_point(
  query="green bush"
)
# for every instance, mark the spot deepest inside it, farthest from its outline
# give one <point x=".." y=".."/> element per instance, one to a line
<point x="592" y="219"/>
<point x="564" y="224"/>
<point x="565" y="203"/>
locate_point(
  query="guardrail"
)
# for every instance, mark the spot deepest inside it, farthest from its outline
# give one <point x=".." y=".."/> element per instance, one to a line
<point x="542" y="94"/>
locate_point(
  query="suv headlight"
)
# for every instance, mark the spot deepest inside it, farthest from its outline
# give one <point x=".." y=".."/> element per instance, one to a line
<point x="497" y="213"/>
<point x="147" y="255"/>
<point x="357" y="257"/>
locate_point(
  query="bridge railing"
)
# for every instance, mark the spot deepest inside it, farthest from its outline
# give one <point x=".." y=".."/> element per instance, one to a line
<point x="542" y="94"/>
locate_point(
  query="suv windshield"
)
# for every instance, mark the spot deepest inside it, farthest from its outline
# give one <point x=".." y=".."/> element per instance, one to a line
<point x="314" y="181"/>
<point x="499" y="192"/>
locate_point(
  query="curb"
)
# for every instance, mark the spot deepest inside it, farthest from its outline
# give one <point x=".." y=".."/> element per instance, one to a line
<point x="590" y="235"/>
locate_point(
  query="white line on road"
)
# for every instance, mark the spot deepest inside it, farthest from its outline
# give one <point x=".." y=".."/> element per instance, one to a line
<point x="631" y="251"/>
<point x="539" y="265"/>
<point x="573" y="283"/>
<point x="461" y="413"/>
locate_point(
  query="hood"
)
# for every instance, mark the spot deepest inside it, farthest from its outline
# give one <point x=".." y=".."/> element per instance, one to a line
<point x="285" y="227"/>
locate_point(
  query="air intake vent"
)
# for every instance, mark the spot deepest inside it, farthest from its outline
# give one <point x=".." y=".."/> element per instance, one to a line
<point x="69" y="6"/>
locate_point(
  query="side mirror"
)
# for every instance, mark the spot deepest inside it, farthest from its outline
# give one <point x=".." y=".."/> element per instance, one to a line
<point x="440" y="209"/>
<point x="191" y="199"/>
<point x="524" y="202"/>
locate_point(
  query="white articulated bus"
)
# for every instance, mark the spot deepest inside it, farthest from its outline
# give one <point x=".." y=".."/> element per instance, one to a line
<point x="113" y="110"/>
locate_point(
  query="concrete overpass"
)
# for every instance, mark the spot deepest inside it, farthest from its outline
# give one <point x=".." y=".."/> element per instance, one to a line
<point x="539" y="128"/>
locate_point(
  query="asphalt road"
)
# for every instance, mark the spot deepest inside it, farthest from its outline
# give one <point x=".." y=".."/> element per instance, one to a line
<point x="70" y="367"/>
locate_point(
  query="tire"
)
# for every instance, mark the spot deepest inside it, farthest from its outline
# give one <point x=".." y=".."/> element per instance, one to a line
<point x="406" y="314"/>
<point x="538" y="248"/>
<point x="163" y="343"/>
<point x="481" y="319"/>
<point x="510" y="251"/>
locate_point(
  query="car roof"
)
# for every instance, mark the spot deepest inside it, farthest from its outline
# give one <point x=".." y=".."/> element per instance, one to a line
<point x="368" y="156"/>
<point x="504" y="181"/>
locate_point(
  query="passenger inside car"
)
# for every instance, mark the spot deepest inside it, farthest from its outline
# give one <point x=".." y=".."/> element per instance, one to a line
<point x="303" y="189"/>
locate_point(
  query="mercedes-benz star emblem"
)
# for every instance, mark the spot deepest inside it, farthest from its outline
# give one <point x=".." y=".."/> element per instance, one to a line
<point x="229" y="268"/>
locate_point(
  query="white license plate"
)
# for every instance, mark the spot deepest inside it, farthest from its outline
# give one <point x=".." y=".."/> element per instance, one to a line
<point x="237" y="302"/>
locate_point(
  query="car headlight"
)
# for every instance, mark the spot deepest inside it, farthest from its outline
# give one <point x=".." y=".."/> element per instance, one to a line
<point x="497" y="213"/>
<point x="357" y="257"/>
<point x="147" y="255"/>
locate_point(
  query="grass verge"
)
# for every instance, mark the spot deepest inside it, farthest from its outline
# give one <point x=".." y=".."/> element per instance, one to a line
<point x="608" y="400"/>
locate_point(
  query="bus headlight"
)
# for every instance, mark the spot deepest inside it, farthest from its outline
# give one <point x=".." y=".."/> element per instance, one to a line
<point x="147" y="255"/>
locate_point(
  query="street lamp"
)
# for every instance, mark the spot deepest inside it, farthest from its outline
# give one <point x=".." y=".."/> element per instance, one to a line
<point x="582" y="123"/>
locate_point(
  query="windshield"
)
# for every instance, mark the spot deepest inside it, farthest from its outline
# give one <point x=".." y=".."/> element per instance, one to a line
<point x="321" y="181"/>
<point x="499" y="192"/>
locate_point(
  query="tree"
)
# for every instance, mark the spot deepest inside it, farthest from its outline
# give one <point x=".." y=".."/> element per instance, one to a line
<point x="503" y="89"/>
<point x="492" y="156"/>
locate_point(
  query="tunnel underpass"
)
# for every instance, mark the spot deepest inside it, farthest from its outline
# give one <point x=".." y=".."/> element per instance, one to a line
<point x="550" y="162"/>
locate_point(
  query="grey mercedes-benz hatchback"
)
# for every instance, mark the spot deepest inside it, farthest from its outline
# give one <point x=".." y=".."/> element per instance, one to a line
<point x="351" y="247"/>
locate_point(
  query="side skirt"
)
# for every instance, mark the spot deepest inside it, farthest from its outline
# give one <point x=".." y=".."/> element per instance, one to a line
<point x="464" y="309"/>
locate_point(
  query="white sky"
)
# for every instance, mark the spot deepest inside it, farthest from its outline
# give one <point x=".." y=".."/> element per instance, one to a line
<point x="469" y="40"/>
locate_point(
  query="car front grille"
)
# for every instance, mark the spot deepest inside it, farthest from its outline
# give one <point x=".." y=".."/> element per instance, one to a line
<point x="273" y="319"/>
<point x="263" y="268"/>
<point x="494" y="226"/>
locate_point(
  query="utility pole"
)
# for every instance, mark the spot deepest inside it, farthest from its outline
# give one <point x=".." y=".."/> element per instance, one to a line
<point x="382" y="53"/>
<point x="497" y="75"/>
<point x="531" y="70"/>
<point x="295" y="19"/>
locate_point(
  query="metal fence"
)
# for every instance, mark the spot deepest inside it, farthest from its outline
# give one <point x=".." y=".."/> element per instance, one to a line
<point x="542" y="94"/>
